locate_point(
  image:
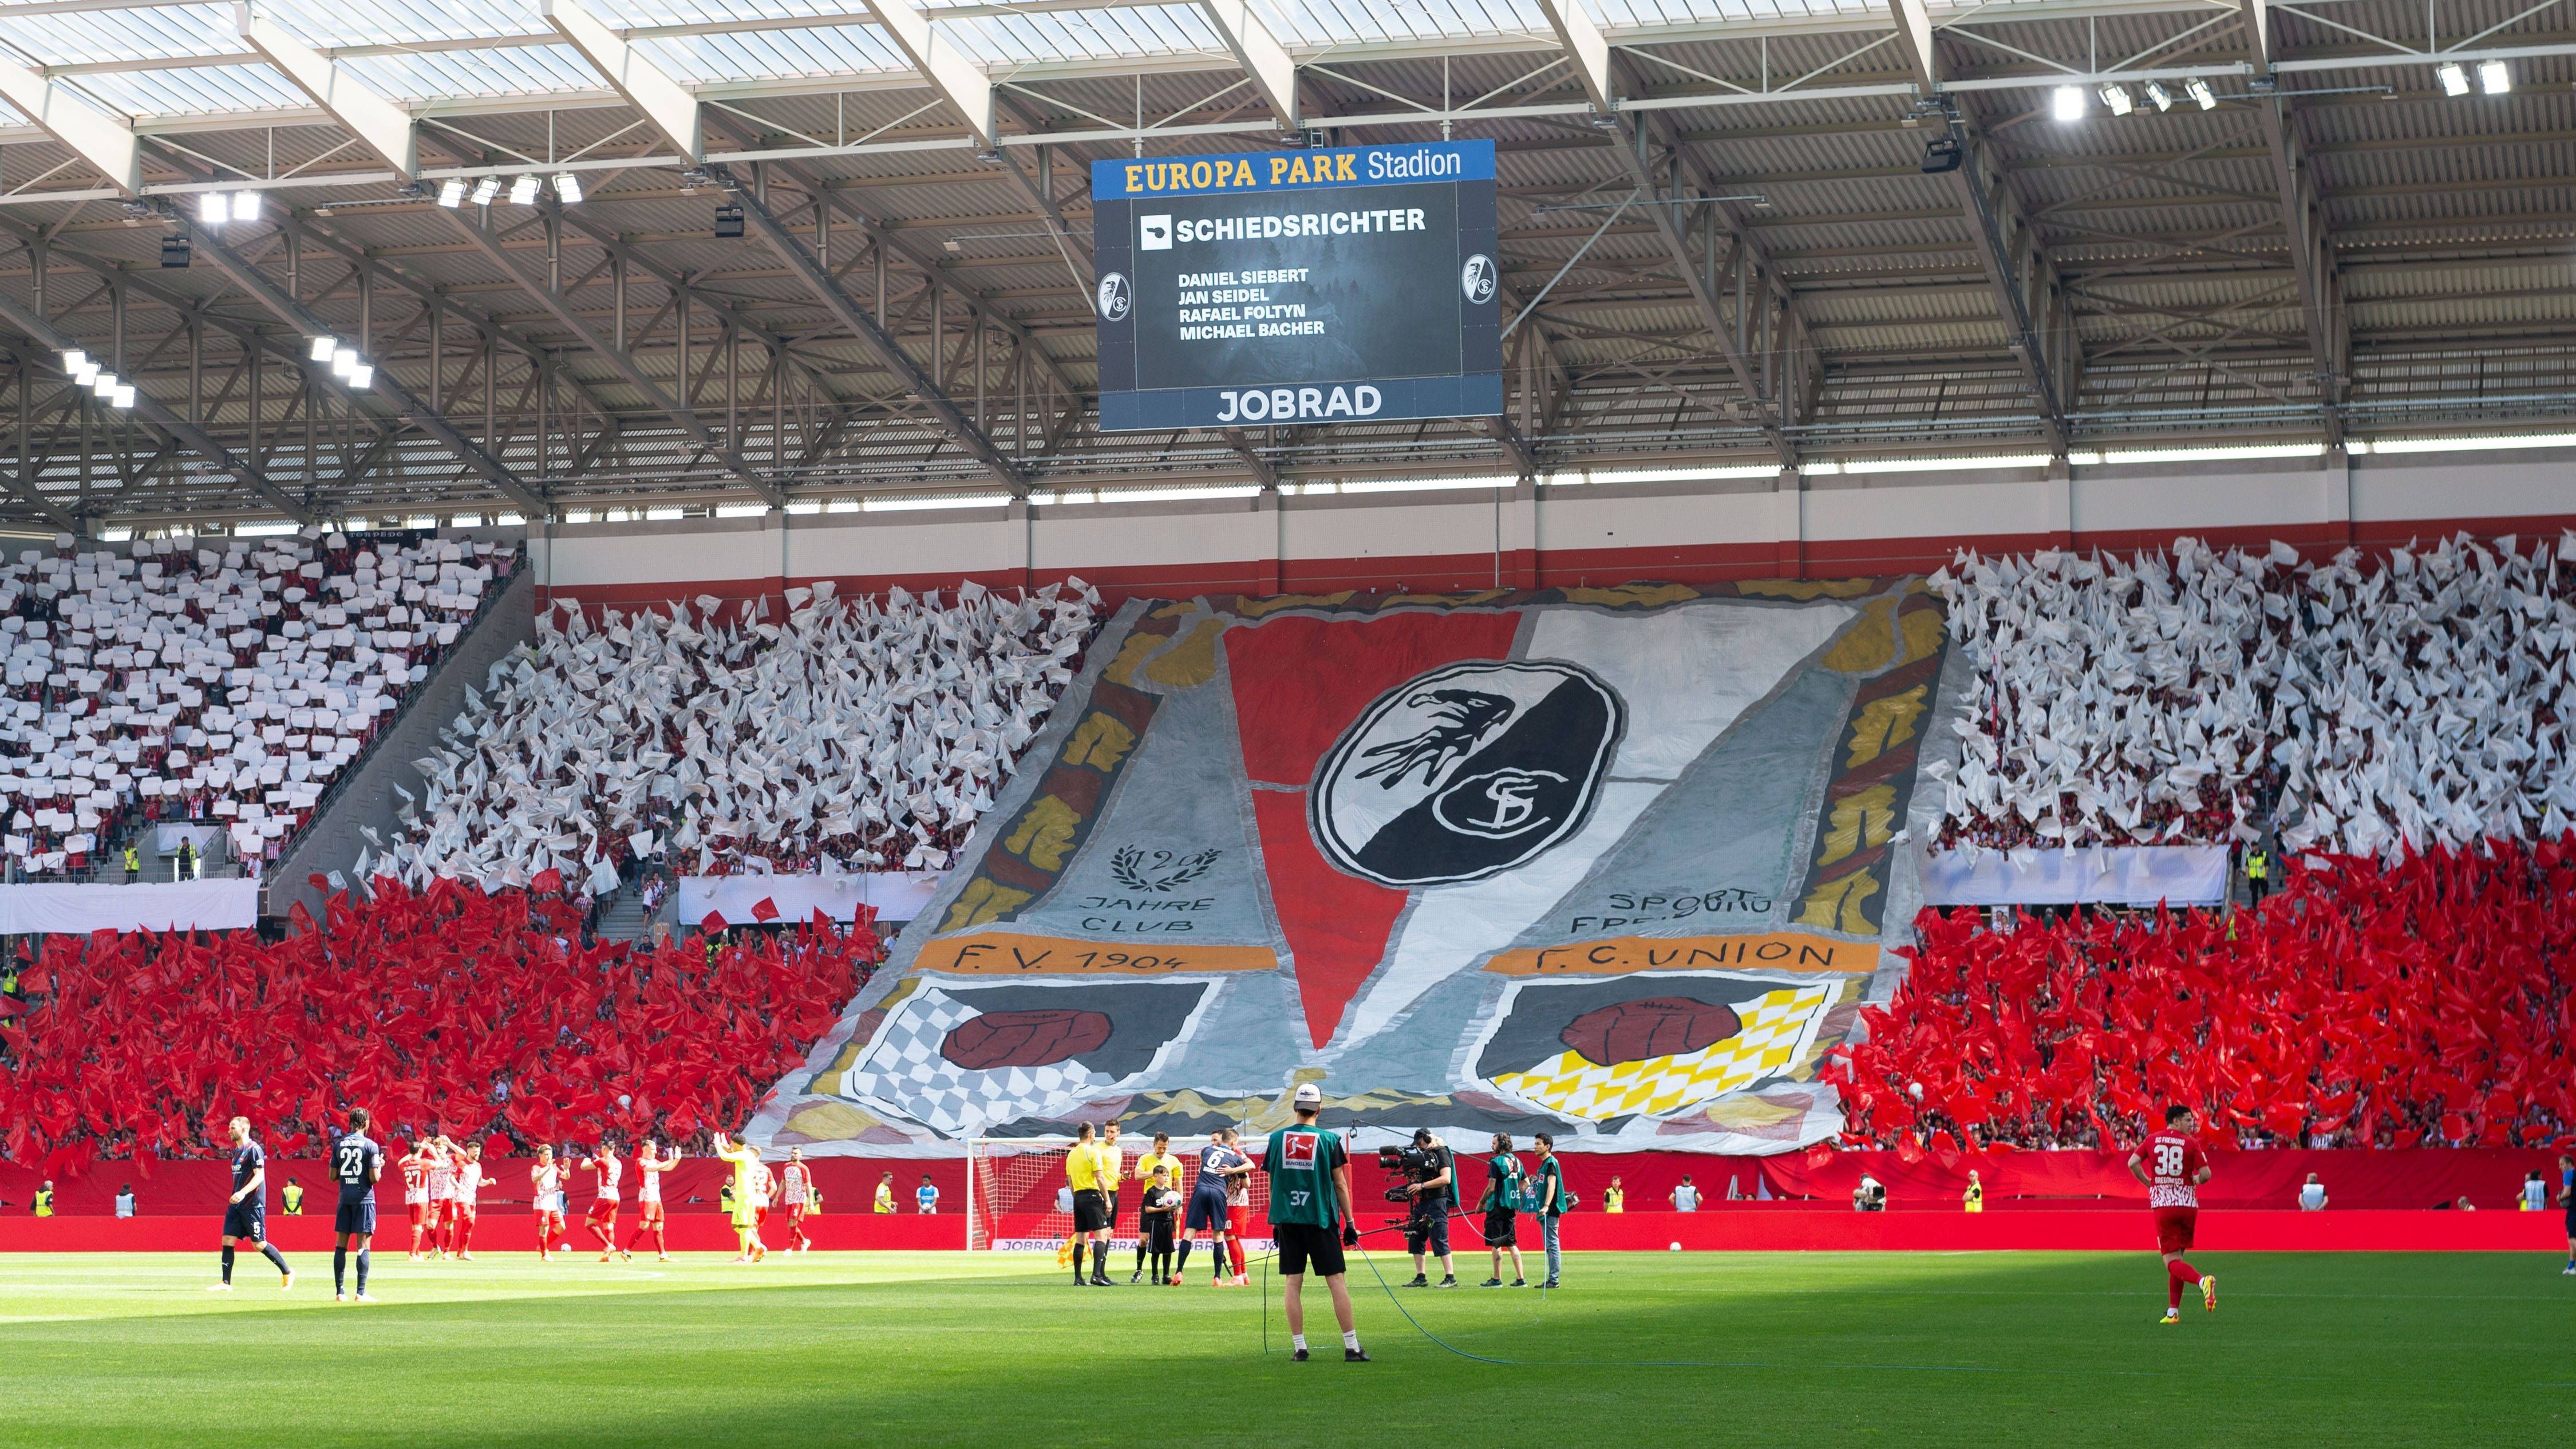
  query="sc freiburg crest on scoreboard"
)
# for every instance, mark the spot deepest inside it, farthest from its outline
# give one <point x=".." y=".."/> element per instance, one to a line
<point x="1298" y="287"/>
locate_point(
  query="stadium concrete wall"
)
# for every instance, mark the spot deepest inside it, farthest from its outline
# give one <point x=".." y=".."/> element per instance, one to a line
<point x="1826" y="524"/>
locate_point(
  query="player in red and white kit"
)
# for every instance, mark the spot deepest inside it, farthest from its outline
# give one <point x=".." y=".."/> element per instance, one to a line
<point x="415" y="1166"/>
<point x="469" y="1187"/>
<point x="796" y="1194"/>
<point x="602" y="1222"/>
<point x="442" y="1196"/>
<point x="649" y="1168"/>
<point x="2171" y="1165"/>
<point x="547" y="1178"/>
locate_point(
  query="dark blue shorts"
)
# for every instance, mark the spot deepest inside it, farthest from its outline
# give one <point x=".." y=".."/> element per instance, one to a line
<point x="356" y="1217"/>
<point x="246" y="1219"/>
<point x="1207" y="1210"/>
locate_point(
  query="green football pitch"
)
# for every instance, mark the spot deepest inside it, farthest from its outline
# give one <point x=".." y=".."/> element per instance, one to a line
<point x="1638" y="1349"/>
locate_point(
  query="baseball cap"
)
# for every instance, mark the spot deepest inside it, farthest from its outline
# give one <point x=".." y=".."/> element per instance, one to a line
<point x="1309" y="1095"/>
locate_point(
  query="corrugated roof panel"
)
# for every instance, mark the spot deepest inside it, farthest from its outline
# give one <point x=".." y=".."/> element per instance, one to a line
<point x="91" y="38"/>
<point x="1002" y="41"/>
<point x="197" y="90"/>
<point x="853" y="50"/>
<point x="404" y="22"/>
<point x="435" y="75"/>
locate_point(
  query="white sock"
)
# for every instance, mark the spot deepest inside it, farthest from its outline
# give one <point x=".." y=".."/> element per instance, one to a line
<point x="1297" y="1341"/>
<point x="1351" y="1339"/>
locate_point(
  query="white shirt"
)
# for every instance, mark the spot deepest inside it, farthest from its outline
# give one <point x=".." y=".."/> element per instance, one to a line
<point x="125" y="1204"/>
<point x="2312" y="1196"/>
<point x="1685" y="1199"/>
<point x="2535" y="1196"/>
<point x="469" y="1181"/>
<point x="649" y="1188"/>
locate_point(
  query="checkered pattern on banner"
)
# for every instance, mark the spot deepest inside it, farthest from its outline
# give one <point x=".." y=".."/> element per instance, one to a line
<point x="1779" y="1027"/>
<point x="904" y="1071"/>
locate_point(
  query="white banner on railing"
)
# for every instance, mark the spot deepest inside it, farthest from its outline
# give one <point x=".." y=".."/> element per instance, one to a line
<point x="2137" y="875"/>
<point x="898" y="895"/>
<point x="203" y="905"/>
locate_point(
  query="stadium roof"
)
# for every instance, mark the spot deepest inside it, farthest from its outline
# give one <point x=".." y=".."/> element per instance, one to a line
<point x="2329" y="219"/>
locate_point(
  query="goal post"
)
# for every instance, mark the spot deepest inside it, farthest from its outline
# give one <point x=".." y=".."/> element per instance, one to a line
<point x="1018" y="1198"/>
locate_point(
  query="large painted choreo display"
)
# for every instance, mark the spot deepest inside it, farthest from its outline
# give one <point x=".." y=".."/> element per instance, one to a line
<point x="1297" y="286"/>
<point x="1619" y="864"/>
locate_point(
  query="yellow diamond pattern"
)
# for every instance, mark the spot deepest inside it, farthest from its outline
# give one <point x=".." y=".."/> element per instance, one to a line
<point x="1777" y="1027"/>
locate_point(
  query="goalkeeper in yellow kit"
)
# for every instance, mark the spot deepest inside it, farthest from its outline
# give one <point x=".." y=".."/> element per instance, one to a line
<point x="746" y="1215"/>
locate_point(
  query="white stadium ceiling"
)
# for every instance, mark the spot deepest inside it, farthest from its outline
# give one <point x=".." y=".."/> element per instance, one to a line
<point x="2174" y="219"/>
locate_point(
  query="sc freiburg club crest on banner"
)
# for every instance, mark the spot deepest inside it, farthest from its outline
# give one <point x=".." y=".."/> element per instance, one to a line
<point x="1465" y="771"/>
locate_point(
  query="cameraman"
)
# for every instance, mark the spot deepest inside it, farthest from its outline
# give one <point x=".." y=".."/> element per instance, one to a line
<point x="1870" y="1196"/>
<point x="1432" y="1185"/>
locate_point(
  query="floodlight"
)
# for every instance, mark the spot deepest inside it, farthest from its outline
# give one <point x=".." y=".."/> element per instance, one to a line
<point x="2455" y="81"/>
<point x="2067" y="104"/>
<point x="567" y="188"/>
<point x="323" y="347"/>
<point x="486" y="189"/>
<point x="362" y="375"/>
<point x="105" y="385"/>
<point x="246" y="206"/>
<point x="2162" y="98"/>
<point x="451" y="192"/>
<point x="123" y="397"/>
<point x="74" y="360"/>
<point x="2117" y="99"/>
<point x="523" y="191"/>
<point x="344" y="361"/>
<point x="211" y="207"/>
<point x="2494" y="77"/>
<point x="2199" y="90"/>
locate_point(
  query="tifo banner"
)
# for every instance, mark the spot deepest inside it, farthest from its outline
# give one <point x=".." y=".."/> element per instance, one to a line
<point x="895" y="895"/>
<point x="230" y="904"/>
<point x="1611" y="863"/>
<point x="2133" y="875"/>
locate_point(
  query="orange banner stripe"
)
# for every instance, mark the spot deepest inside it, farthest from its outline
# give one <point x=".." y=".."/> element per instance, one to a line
<point x="1620" y="955"/>
<point x="1008" y="954"/>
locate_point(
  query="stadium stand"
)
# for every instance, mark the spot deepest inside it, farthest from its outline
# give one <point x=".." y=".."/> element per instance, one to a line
<point x="448" y="1008"/>
<point x="2420" y="1001"/>
<point x="851" y="734"/>
<point x="2367" y="705"/>
<point x="179" y="683"/>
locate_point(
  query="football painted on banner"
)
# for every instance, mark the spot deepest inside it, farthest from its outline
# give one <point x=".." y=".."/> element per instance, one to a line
<point x="1465" y="771"/>
<point x="1660" y="1026"/>
<point x="1024" y="1038"/>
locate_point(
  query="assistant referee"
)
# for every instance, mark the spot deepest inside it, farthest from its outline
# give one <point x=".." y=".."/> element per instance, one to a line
<point x="1090" y="1207"/>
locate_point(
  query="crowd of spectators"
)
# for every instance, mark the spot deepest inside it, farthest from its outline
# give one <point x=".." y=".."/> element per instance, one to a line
<point x="2429" y="1000"/>
<point x="225" y="685"/>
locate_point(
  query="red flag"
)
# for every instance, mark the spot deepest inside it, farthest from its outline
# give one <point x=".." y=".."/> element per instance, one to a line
<point x="713" y="922"/>
<point x="765" y="911"/>
<point x="549" y="879"/>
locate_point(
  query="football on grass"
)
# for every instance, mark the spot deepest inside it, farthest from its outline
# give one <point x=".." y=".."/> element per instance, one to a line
<point x="1659" y="1026"/>
<point x="1024" y="1039"/>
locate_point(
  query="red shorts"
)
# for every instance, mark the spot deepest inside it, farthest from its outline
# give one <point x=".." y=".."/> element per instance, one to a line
<point x="603" y="1211"/>
<point x="649" y="1214"/>
<point x="2173" y="1229"/>
<point x="1237" y="1219"/>
<point x="759" y="1216"/>
<point x="799" y="1212"/>
<point x="417" y="1209"/>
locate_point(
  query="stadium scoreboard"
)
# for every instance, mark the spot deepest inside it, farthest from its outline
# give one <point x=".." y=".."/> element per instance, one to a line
<point x="1297" y="287"/>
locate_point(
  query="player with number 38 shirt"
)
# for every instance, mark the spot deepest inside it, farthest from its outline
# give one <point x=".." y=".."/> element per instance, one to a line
<point x="2171" y="1165"/>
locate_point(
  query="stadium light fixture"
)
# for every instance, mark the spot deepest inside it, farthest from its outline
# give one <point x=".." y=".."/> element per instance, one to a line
<point x="2116" y="99"/>
<point x="451" y="192"/>
<point x="523" y="191"/>
<point x="104" y="385"/>
<point x="2455" y="81"/>
<point x="246" y="206"/>
<point x="85" y="374"/>
<point x="486" y="189"/>
<point x="324" y="347"/>
<point x="567" y="188"/>
<point x="2495" y="77"/>
<point x="2159" y="96"/>
<point x="362" y="376"/>
<point x="344" y="361"/>
<point x="74" y="360"/>
<point x="123" y="397"/>
<point x="213" y="209"/>
<point x="2067" y="103"/>
<point x="2200" y="93"/>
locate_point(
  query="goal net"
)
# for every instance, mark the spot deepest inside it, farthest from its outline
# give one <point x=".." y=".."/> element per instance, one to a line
<point x="1022" y="1202"/>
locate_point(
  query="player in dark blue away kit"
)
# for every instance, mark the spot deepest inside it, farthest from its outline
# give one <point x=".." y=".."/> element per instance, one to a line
<point x="1219" y="1163"/>
<point x="246" y="1211"/>
<point x="356" y="1163"/>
